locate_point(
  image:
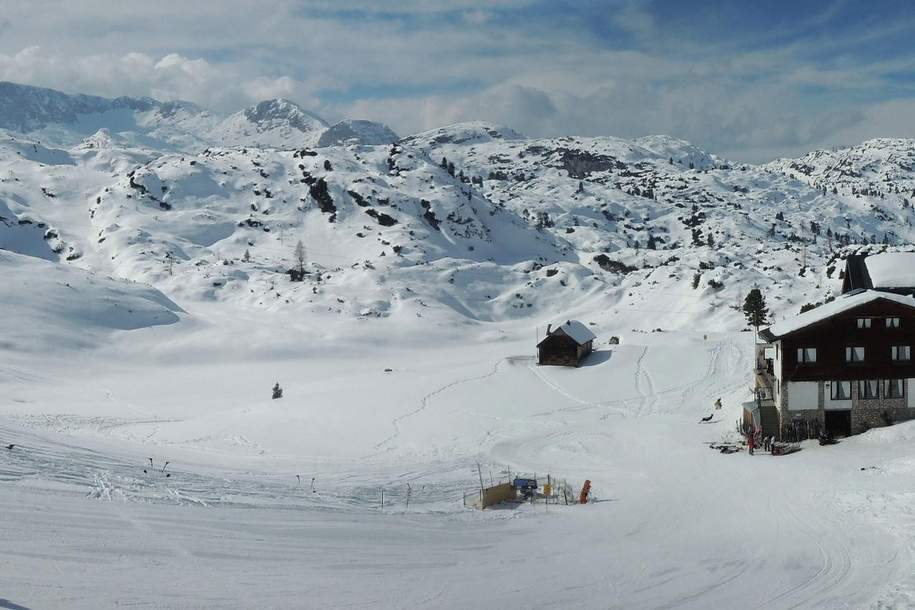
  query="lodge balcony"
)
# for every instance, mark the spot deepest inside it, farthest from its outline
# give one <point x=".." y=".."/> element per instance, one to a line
<point x="763" y="373"/>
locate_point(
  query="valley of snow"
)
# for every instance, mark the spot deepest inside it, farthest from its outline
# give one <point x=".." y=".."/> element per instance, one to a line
<point x="146" y="310"/>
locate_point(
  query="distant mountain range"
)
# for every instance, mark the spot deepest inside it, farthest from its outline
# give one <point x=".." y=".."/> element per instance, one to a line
<point x="473" y="218"/>
<point x="278" y="123"/>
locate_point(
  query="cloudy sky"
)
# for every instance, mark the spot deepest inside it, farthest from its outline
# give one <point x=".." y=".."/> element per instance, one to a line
<point x="750" y="80"/>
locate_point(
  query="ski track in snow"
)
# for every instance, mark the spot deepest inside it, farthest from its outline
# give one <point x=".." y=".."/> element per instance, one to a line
<point x="424" y="401"/>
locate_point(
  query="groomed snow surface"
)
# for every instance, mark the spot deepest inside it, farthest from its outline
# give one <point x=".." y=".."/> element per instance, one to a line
<point x="675" y="523"/>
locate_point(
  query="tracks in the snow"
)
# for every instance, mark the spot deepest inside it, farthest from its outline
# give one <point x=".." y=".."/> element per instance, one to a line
<point x="424" y="401"/>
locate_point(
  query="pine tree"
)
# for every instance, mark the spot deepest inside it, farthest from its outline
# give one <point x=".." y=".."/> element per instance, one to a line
<point x="754" y="308"/>
<point x="247" y="256"/>
<point x="710" y="241"/>
<point x="652" y="243"/>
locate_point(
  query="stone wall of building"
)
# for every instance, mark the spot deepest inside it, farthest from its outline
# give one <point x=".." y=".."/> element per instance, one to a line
<point x="876" y="413"/>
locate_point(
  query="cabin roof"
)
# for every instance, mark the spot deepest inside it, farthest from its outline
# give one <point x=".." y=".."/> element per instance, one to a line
<point x="842" y="304"/>
<point x="573" y="329"/>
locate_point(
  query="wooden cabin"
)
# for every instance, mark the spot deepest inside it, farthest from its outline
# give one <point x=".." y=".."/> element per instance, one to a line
<point x="566" y="345"/>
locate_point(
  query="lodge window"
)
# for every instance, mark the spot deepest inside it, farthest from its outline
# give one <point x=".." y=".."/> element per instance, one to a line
<point x="806" y="355"/>
<point x="868" y="389"/>
<point x="841" y="390"/>
<point x="854" y="354"/>
<point x="892" y="322"/>
<point x="864" y="322"/>
<point x="901" y="353"/>
<point x="894" y="388"/>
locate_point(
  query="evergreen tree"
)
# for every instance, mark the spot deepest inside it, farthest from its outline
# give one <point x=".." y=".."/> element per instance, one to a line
<point x="710" y="241"/>
<point x="247" y="256"/>
<point x="444" y="163"/>
<point x="754" y="308"/>
<point x="652" y="243"/>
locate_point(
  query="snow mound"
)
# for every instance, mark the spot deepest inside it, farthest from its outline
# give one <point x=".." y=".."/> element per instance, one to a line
<point x="49" y="306"/>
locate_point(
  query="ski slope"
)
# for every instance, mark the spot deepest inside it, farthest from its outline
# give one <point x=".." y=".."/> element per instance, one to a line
<point x="676" y="524"/>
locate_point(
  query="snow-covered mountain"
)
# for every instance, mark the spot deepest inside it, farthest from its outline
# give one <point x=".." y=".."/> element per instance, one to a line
<point x="276" y="123"/>
<point x="350" y="131"/>
<point x="474" y="218"/>
<point x="64" y="119"/>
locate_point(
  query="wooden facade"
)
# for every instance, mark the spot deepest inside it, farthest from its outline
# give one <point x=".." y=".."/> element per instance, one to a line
<point x="832" y="336"/>
<point x="861" y="374"/>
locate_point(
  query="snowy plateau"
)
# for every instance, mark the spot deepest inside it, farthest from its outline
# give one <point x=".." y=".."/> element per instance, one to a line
<point x="147" y="309"/>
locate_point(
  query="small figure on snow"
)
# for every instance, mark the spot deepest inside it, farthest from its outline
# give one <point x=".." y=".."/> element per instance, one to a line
<point x="718" y="404"/>
<point x="277" y="391"/>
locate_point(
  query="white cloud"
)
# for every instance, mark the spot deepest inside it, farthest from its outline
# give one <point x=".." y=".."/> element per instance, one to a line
<point x="395" y="63"/>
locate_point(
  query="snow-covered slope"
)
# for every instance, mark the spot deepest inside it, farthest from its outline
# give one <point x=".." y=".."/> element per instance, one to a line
<point x="51" y="308"/>
<point x="541" y="225"/>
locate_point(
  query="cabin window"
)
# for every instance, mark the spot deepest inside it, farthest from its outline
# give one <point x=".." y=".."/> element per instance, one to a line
<point x="892" y="322"/>
<point x="841" y="390"/>
<point x="864" y="322"/>
<point x="901" y="353"/>
<point x="868" y="389"/>
<point x="894" y="388"/>
<point x="806" y="355"/>
<point x="854" y="354"/>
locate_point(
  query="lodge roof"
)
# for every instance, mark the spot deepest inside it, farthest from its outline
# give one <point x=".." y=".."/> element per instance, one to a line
<point x="888" y="271"/>
<point x="842" y="304"/>
<point x="573" y="329"/>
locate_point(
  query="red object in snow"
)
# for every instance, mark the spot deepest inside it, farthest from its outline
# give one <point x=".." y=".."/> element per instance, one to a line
<point x="585" y="490"/>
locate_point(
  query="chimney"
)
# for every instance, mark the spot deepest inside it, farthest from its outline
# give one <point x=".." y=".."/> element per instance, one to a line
<point x="548" y="327"/>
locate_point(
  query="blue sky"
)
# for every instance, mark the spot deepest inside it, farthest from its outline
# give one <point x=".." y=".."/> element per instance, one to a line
<point x="747" y="79"/>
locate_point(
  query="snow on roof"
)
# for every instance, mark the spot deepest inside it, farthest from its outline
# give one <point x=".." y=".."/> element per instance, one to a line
<point x="580" y="333"/>
<point x="828" y="310"/>
<point x="891" y="269"/>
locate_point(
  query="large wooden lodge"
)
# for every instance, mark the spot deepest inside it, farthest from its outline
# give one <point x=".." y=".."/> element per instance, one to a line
<point x="845" y="366"/>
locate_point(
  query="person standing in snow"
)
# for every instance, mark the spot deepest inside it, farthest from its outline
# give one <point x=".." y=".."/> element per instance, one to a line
<point x="750" y="439"/>
<point x="718" y="404"/>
